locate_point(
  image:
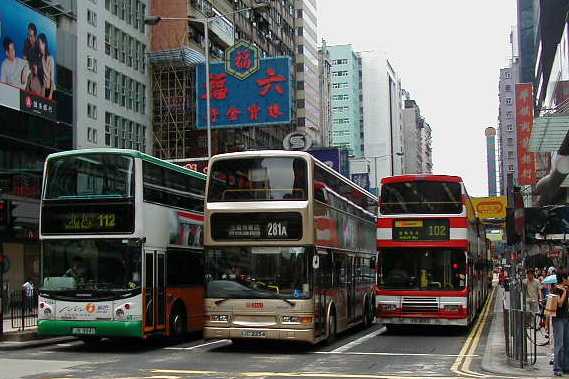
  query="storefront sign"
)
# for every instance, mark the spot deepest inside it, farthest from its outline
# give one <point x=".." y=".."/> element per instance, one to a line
<point x="297" y="141"/>
<point x="490" y="207"/>
<point x="524" y="125"/>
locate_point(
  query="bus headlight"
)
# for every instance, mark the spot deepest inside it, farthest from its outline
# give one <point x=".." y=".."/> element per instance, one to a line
<point x="305" y="320"/>
<point x="219" y="318"/>
<point x="119" y="314"/>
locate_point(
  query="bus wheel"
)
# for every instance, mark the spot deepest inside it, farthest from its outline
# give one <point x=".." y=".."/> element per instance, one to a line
<point x="331" y="328"/>
<point x="178" y="322"/>
<point x="369" y="315"/>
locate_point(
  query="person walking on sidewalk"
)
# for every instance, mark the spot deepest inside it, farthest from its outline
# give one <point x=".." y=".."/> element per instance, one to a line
<point x="532" y="288"/>
<point x="561" y="327"/>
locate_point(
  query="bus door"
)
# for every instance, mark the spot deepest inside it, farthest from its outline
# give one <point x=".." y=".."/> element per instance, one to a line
<point x="322" y="274"/>
<point x="154" y="291"/>
<point x="350" y="287"/>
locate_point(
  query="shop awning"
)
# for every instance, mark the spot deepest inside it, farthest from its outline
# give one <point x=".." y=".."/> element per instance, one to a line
<point x="548" y="133"/>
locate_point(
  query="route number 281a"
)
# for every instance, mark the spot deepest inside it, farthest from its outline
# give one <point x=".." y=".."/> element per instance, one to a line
<point x="277" y="230"/>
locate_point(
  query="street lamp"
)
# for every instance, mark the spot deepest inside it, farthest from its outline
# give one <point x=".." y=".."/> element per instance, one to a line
<point x="153" y="20"/>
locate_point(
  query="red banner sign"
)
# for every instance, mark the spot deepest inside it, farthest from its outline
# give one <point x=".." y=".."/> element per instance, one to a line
<point x="524" y="124"/>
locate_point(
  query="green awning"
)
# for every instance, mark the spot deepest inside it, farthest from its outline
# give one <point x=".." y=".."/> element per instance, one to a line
<point x="548" y="133"/>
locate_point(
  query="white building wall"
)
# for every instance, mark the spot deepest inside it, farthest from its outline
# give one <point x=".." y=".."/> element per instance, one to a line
<point x="382" y="116"/>
<point x="90" y="132"/>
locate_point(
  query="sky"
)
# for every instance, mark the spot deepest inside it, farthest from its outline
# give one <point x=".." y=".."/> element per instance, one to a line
<point x="448" y="54"/>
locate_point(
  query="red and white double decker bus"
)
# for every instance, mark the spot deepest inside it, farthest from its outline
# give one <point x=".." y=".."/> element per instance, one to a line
<point x="432" y="252"/>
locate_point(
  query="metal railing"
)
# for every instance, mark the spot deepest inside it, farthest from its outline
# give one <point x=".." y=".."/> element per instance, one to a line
<point x="19" y="310"/>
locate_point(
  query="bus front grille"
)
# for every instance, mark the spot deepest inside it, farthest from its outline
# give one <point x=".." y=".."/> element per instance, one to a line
<point x="419" y="304"/>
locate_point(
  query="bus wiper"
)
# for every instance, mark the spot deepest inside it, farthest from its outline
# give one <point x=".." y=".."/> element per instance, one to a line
<point x="288" y="302"/>
<point x="217" y="302"/>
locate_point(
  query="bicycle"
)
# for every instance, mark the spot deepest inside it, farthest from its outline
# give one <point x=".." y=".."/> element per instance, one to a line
<point x="537" y="329"/>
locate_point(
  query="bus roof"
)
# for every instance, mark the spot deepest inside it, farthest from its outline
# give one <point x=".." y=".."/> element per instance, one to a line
<point x="421" y="177"/>
<point x="130" y="153"/>
<point x="289" y="153"/>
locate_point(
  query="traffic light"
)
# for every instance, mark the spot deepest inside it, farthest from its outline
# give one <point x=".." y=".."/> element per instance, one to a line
<point x="5" y="214"/>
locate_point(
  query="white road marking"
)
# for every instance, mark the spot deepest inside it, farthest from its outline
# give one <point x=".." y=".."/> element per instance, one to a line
<point x="396" y="354"/>
<point x="197" y="346"/>
<point x="360" y="340"/>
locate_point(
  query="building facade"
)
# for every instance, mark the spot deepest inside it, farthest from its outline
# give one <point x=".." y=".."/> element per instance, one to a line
<point x="306" y="69"/>
<point x="113" y="81"/>
<point x="325" y="86"/>
<point x="507" y="141"/>
<point x="417" y="140"/>
<point x="382" y="103"/>
<point x="178" y="46"/>
<point x="346" y="99"/>
<point x="35" y="122"/>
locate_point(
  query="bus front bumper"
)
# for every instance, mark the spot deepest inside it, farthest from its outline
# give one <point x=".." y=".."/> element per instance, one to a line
<point x="90" y="328"/>
<point x="423" y="321"/>
<point x="302" y="335"/>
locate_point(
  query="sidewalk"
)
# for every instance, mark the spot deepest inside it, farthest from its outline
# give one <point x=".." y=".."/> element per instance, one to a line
<point x="14" y="338"/>
<point x="495" y="360"/>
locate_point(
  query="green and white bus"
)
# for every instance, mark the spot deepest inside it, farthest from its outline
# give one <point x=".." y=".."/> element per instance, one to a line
<point x="122" y="246"/>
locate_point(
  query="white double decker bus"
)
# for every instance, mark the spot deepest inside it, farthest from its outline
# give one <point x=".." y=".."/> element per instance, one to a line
<point x="122" y="246"/>
<point x="290" y="248"/>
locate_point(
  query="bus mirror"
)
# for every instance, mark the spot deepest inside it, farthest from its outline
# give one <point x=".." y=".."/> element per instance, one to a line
<point x="315" y="262"/>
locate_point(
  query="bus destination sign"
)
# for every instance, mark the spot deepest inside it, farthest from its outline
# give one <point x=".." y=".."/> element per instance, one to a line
<point x="421" y="230"/>
<point x="258" y="226"/>
<point x="88" y="219"/>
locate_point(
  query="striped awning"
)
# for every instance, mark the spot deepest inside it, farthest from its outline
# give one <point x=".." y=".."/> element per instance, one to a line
<point x="183" y="56"/>
<point x="548" y="133"/>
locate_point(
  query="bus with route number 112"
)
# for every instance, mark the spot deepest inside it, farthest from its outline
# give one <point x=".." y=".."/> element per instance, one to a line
<point x="122" y="246"/>
<point x="290" y="248"/>
<point x="432" y="252"/>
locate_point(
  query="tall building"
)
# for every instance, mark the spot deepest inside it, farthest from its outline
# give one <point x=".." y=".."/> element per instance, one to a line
<point x="325" y="77"/>
<point x="416" y="140"/>
<point x="491" y="159"/>
<point x="346" y="99"/>
<point x="177" y="47"/>
<point x="306" y="69"/>
<point x="527" y="29"/>
<point x="507" y="144"/>
<point x="113" y="81"/>
<point x="381" y="94"/>
<point x="33" y="126"/>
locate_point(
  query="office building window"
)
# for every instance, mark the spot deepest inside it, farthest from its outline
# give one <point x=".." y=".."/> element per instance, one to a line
<point x="509" y="114"/>
<point x="510" y="128"/>
<point x="91" y="111"/>
<point x="91" y="63"/>
<point x="91" y="17"/>
<point x="507" y="75"/>
<point x="92" y="87"/>
<point x="510" y="141"/>
<point x="92" y="41"/>
<point x="510" y="168"/>
<point x="510" y="154"/>
<point x="341" y="97"/>
<point x="340" y="73"/>
<point x="508" y="88"/>
<point x="508" y="100"/>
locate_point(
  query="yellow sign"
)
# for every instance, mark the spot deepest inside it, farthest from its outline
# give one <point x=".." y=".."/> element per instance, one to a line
<point x="490" y="207"/>
<point x="409" y="224"/>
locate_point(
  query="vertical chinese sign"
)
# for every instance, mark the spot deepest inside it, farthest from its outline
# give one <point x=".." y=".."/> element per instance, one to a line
<point x="241" y="96"/>
<point x="524" y="124"/>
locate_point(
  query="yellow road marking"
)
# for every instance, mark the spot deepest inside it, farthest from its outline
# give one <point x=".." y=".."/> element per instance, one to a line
<point x="254" y="374"/>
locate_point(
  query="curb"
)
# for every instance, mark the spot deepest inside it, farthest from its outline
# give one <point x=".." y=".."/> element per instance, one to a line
<point x="13" y="345"/>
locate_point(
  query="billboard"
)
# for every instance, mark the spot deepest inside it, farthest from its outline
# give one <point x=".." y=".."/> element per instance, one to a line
<point x="27" y="60"/>
<point x="493" y="207"/>
<point x="334" y="157"/>
<point x="260" y="99"/>
<point x="524" y="124"/>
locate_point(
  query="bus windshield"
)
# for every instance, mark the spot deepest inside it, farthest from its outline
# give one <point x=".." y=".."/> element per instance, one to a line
<point x="89" y="175"/>
<point x="258" y="179"/>
<point x="257" y="273"/>
<point x="422" y="269"/>
<point x="421" y="197"/>
<point x="93" y="264"/>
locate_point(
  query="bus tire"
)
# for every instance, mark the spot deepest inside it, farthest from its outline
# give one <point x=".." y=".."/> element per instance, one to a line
<point x="178" y="321"/>
<point x="370" y="314"/>
<point x="331" y="327"/>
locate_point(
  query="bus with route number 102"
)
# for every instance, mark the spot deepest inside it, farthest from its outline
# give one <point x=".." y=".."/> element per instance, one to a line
<point x="122" y="246"/>
<point x="289" y="248"/>
<point x="432" y="252"/>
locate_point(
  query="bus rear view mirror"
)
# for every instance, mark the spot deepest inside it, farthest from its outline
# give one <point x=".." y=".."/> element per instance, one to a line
<point x="315" y="262"/>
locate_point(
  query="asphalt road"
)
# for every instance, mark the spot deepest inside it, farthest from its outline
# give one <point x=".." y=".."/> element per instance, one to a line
<point x="371" y="353"/>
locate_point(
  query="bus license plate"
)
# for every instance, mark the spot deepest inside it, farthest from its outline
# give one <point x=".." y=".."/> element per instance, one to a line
<point x="83" y="331"/>
<point x="253" y="333"/>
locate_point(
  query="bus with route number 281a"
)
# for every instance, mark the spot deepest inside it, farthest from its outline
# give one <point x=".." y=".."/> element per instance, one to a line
<point x="289" y="248"/>
<point x="122" y="246"/>
<point x="432" y="252"/>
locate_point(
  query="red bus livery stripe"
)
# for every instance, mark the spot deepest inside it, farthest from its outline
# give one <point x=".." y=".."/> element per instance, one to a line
<point x="454" y="222"/>
<point x="455" y="244"/>
<point x="425" y="178"/>
<point x="192" y="216"/>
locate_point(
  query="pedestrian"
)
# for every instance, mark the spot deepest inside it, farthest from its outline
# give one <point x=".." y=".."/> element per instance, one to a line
<point x="532" y="288"/>
<point x="561" y="327"/>
<point x="27" y="295"/>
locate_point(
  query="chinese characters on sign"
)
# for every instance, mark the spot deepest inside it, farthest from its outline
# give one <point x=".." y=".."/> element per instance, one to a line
<point x="524" y="123"/>
<point x="262" y="98"/>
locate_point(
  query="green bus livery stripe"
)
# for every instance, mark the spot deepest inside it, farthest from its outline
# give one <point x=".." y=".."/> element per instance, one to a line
<point x="102" y="328"/>
<point x="133" y="154"/>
